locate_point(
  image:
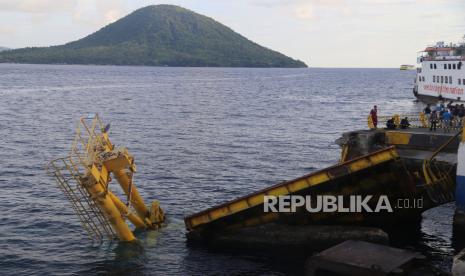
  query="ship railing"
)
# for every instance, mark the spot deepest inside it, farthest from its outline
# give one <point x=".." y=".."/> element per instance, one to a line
<point x="420" y="120"/>
<point x="443" y="58"/>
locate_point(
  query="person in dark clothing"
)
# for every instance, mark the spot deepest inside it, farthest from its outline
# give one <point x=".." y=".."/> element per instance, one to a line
<point x="455" y="110"/>
<point x="461" y="114"/>
<point x="449" y="105"/>
<point x="427" y="110"/>
<point x="455" y="115"/>
<point x="404" y="123"/>
<point x="433" y="120"/>
<point x="390" y="124"/>
<point x="440" y="121"/>
<point x="442" y="106"/>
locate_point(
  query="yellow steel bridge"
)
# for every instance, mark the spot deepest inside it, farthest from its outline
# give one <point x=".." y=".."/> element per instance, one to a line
<point x="84" y="176"/>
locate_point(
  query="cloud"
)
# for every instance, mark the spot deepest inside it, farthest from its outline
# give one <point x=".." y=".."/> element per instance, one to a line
<point x="112" y="15"/>
<point x="37" y="6"/>
<point x="317" y="9"/>
<point x="112" y="10"/>
<point x="92" y="12"/>
<point x="311" y="10"/>
<point x="8" y="30"/>
<point x="98" y="12"/>
<point x="305" y="12"/>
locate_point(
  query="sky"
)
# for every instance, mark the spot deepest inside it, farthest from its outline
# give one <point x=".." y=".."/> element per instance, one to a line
<point x="322" y="33"/>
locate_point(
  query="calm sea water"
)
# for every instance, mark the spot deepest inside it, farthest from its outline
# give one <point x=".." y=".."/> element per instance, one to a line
<point x="200" y="136"/>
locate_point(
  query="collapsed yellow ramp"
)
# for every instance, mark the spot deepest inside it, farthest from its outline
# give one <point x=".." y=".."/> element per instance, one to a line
<point x="359" y="175"/>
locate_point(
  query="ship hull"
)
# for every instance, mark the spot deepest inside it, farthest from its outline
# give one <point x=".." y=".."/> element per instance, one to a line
<point x="427" y="98"/>
<point x="434" y="100"/>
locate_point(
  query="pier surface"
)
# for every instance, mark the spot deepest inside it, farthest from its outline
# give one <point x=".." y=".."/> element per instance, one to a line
<point x="411" y="143"/>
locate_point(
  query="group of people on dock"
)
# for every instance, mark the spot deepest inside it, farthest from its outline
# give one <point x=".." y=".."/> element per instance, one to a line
<point x="391" y="123"/>
<point x="440" y="115"/>
<point x="444" y="116"/>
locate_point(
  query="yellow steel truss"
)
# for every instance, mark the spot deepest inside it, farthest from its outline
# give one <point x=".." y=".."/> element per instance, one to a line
<point x="84" y="177"/>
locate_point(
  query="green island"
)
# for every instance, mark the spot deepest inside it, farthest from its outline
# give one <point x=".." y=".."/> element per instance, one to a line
<point x="158" y="35"/>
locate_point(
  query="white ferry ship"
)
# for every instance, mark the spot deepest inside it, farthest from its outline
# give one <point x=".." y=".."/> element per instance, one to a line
<point x="441" y="73"/>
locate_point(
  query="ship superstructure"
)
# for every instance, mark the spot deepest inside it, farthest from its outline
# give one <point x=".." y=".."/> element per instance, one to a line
<point x="441" y="73"/>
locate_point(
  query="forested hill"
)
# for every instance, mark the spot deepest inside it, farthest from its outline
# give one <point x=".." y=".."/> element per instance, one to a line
<point x="161" y="35"/>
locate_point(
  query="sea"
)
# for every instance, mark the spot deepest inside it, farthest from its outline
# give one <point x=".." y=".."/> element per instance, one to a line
<point x="200" y="137"/>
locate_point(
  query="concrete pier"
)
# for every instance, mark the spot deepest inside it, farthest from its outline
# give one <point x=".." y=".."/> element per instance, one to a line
<point x="290" y="237"/>
<point x="411" y="143"/>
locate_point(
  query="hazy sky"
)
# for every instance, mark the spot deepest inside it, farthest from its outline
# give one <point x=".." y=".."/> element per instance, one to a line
<point x="322" y="33"/>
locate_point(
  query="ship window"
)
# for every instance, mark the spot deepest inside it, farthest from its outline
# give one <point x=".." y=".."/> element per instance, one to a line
<point x="442" y="79"/>
<point x="430" y="66"/>
<point x="450" y="66"/>
<point x="434" y="78"/>
<point x="450" y="79"/>
<point x="446" y="79"/>
<point x="463" y="81"/>
<point x="423" y="78"/>
<point x="460" y="81"/>
<point x="445" y="66"/>
<point x="435" y="67"/>
<point x="453" y="66"/>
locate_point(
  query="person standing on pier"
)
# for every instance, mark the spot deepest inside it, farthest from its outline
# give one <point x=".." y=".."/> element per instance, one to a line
<point x="427" y="111"/>
<point x="374" y="116"/>
<point x="442" y="110"/>
<point x="446" y="117"/>
<point x="433" y="120"/>
<point x="461" y="114"/>
<point x="455" y="115"/>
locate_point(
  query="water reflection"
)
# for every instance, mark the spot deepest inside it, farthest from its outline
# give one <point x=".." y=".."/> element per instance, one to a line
<point x="127" y="258"/>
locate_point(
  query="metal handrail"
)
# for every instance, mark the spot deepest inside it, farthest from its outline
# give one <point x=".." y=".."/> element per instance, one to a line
<point x="419" y="120"/>
<point x="438" y="183"/>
